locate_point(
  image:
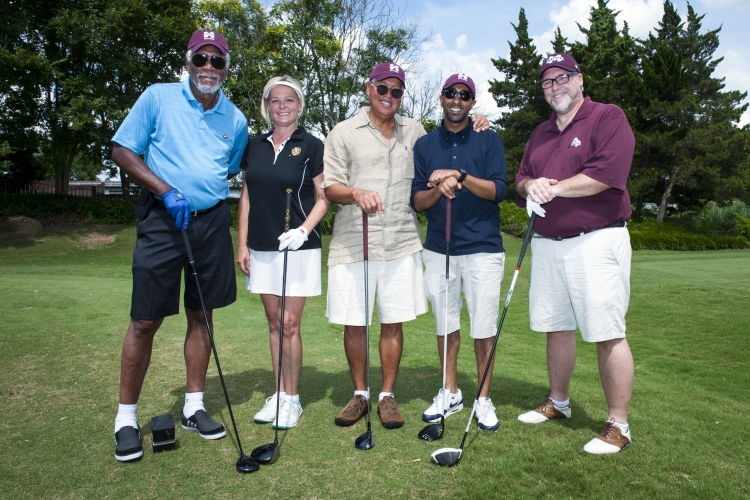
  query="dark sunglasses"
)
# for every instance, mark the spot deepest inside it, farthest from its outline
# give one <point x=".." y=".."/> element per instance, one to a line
<point x="200" y="60"/>
<point x="395" y="93"/>
<point x="450" y="93"/>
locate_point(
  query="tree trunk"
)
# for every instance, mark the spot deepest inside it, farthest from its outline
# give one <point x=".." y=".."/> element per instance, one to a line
<point x="665" y="198"/>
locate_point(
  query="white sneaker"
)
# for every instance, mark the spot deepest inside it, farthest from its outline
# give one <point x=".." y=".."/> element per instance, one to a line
<point x="455" y="404"/>
<point x="268" y="413"/>
<point x="546" y="411"/>
<point x="289" y="413"/>
<point x="486" y="415"/>
<point x="610" y="440"/>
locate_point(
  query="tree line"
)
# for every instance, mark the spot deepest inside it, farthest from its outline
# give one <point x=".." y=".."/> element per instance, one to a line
<point x="73" y="68"/>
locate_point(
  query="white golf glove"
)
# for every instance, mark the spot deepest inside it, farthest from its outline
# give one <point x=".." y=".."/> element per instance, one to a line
<point x="294" y="238"/>
<point x="532" y="206"/>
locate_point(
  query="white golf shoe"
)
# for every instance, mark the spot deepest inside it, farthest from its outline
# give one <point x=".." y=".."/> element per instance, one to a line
<point x="268" y="413"/>
<point x="289" y="413"/>
<point x="486" y="415"/>
<point x="611" y="440"/>
<point x="455" y="404"/>
<point x="546" y="411"/>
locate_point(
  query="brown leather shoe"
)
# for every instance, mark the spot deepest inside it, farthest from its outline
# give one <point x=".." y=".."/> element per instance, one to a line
<point x="353" y="411"/>
<point x="546" y="411"/>
<point x="389" y="413"/>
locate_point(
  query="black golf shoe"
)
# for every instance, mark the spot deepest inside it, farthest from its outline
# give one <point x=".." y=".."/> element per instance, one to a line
<point x="128" y="444"/>
<point x="204" y="425"/>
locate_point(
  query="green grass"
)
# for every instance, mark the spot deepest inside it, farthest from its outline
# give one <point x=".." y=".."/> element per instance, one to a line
<point x="65" y="307"/>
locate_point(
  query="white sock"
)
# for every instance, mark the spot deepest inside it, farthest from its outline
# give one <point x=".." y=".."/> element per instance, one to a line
<point x="193" y="403"/>
<point x="292" y="398"/>
<point x="384" y="394"/>
<point x="364" y="394"/>
<point x="623" y="427"/>
<point x="560" y="404"/>
<point x="282" y="395"/>
<point x="126" y="417"/>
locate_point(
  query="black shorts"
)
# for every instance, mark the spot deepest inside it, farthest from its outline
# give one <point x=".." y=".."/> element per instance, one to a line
<point x="160" y="258"/>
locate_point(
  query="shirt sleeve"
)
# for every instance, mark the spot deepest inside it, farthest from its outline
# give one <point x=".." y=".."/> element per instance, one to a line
<point x="419" y="183"/>
<point x="335" y="161"/>
<point x="240" y="144"/>
<point x="612" y="157"/>
<point x="497" y="171"/>
<point x="135" y="131"/>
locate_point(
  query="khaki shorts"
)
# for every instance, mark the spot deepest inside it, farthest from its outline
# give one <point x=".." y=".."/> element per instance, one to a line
<point x="397" y="283"/>
<point x="302" y="273"/>
<point x="478" y="276"/>
<point x="582" y="281"/>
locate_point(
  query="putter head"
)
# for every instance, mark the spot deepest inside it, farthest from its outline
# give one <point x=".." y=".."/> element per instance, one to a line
<point x="431" y="432"/>
<point x="246" y="465"/>
<point x="365" y="441"/>
<point x="266" y="454"/>
<point x="446" y="457"/>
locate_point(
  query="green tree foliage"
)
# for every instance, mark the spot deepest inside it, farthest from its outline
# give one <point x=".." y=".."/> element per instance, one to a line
<point x="519" y="95"/>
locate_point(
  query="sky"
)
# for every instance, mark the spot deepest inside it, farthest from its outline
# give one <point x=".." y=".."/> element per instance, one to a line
<point x="467" y="34"/>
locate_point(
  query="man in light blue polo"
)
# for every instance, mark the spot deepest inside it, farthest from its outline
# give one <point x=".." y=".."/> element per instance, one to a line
<point x="192" y="139"/>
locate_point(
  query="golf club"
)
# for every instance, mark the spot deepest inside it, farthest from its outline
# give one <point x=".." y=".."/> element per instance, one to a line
<point x="447" y="457"/>
<point x="245" y="464"/>
<point x="435" y="431"/>
<point x="269" y="453"/>
<point x="365" y="442"/>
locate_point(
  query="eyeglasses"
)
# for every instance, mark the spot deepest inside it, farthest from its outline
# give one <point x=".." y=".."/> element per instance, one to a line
<point x="465" y="95"/>
<point x="561" y="80"/>
<point x="395" y="93"/>
<point x="200" y="60"/>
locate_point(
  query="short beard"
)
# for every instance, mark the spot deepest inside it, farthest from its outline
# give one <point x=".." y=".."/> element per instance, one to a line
<point x="562" y="107"/>
<point x="202" y="88"/>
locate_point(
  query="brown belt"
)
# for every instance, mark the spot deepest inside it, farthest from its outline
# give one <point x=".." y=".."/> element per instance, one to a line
<point x="620" y="223"/>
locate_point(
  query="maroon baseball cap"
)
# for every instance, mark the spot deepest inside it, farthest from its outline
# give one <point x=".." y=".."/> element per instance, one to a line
<point x="559" y="60"/>
<point x="388" y="70"/>
<point x="202" y="38"/>
<point x="461" y="78"/>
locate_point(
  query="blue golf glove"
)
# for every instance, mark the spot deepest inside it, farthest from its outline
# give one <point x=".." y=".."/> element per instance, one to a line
<point x="178" y="208"/>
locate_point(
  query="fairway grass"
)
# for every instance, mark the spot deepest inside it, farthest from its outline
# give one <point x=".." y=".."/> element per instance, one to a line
<point x="65" y="304"/>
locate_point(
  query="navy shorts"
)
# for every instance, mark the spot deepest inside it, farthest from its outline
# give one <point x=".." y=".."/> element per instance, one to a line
<point x="160" y="260"/>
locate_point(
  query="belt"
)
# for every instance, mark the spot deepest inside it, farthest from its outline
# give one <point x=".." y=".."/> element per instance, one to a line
<point x="620" y="223"/>
<point x="160" y="205"/>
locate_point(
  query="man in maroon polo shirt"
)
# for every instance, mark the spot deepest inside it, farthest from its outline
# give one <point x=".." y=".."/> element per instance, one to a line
<point x="577" y="163"/>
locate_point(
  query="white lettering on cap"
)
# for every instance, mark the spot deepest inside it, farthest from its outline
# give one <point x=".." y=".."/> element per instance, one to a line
<point x="462" y="76"/>
<point x="209" y="35"/>
<point x="393" y="68"/>
<point x="555" y="58"/>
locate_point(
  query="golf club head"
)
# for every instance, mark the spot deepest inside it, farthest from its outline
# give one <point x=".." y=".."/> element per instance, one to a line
<point x="446" y="457"/>
<point x="266" y="454"/>
<point x="246" y="465"/>
<point x="365" y="441"/>
<point x="431" y="432"/>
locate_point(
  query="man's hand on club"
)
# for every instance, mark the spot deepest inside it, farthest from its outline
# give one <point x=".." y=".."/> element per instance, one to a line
<point x="368" y="201"/>
<point x="293" y="239"/>
<point x="178" y="208"/>
<point x="540" y="190"/>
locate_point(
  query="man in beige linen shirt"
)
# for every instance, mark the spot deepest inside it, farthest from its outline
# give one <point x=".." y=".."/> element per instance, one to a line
<point x="369" y="166"/>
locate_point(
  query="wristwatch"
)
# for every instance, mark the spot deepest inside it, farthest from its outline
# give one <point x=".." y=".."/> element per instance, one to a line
<point x="463" y="175"/>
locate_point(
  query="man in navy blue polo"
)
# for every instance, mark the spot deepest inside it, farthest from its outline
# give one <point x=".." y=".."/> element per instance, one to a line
<point x="457" y="163"/>
<point x="192" y="139"/>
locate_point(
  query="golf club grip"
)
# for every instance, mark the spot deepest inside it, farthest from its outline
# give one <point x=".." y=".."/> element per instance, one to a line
<point x="189" y="250"/>
<point x="526" y="238"/>
<point x="364" y="234"/>
<point x="448" y="204"/>
<point x="288" y="214"/>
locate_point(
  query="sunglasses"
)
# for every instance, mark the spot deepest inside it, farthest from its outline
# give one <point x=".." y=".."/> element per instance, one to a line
<point x="450" y="93"/>
<point x="395" y="93"/>
<point x="200" y="60"/>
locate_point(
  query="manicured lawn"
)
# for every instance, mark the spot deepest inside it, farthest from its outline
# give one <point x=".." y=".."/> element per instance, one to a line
<point x="65" y="304"/>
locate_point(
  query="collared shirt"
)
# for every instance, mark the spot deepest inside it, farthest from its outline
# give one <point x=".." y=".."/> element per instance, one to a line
<point x="268" y="174"/>
<point x="358" y="156"/>
<point x="475" y="222"/>
<point x="188" y="148"/>
<point x="599" y="143"/>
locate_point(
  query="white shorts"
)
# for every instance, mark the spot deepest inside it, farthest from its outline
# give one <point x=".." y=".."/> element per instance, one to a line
<point x="582" y="281"/>
<point x="398" y="284"/>
<point x="478" y="276"/>
<point x="302" y="273"/>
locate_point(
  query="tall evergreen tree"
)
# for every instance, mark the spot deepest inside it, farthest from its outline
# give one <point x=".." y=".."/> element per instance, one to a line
<point x="519" y="95"/>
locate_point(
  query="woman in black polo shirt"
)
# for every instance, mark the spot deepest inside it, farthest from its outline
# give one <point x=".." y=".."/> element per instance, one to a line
<point x="285" y="158"/>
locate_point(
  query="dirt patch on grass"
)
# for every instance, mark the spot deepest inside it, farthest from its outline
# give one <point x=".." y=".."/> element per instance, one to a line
<point x="96" y="239"/>
<point x="21" y="228"/>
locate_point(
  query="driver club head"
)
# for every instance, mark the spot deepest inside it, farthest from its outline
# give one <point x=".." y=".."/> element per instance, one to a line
<point x="446" y="457"/>
<point x="266" y="454"/>
<point x="365" y="441"/>
<point x="431" y="432"/>
<point x="247" y="465"/>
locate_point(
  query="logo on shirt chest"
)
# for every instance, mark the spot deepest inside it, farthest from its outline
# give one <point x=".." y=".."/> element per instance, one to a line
<point x="296" y="151"/>
<point x="576" y="143"/>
